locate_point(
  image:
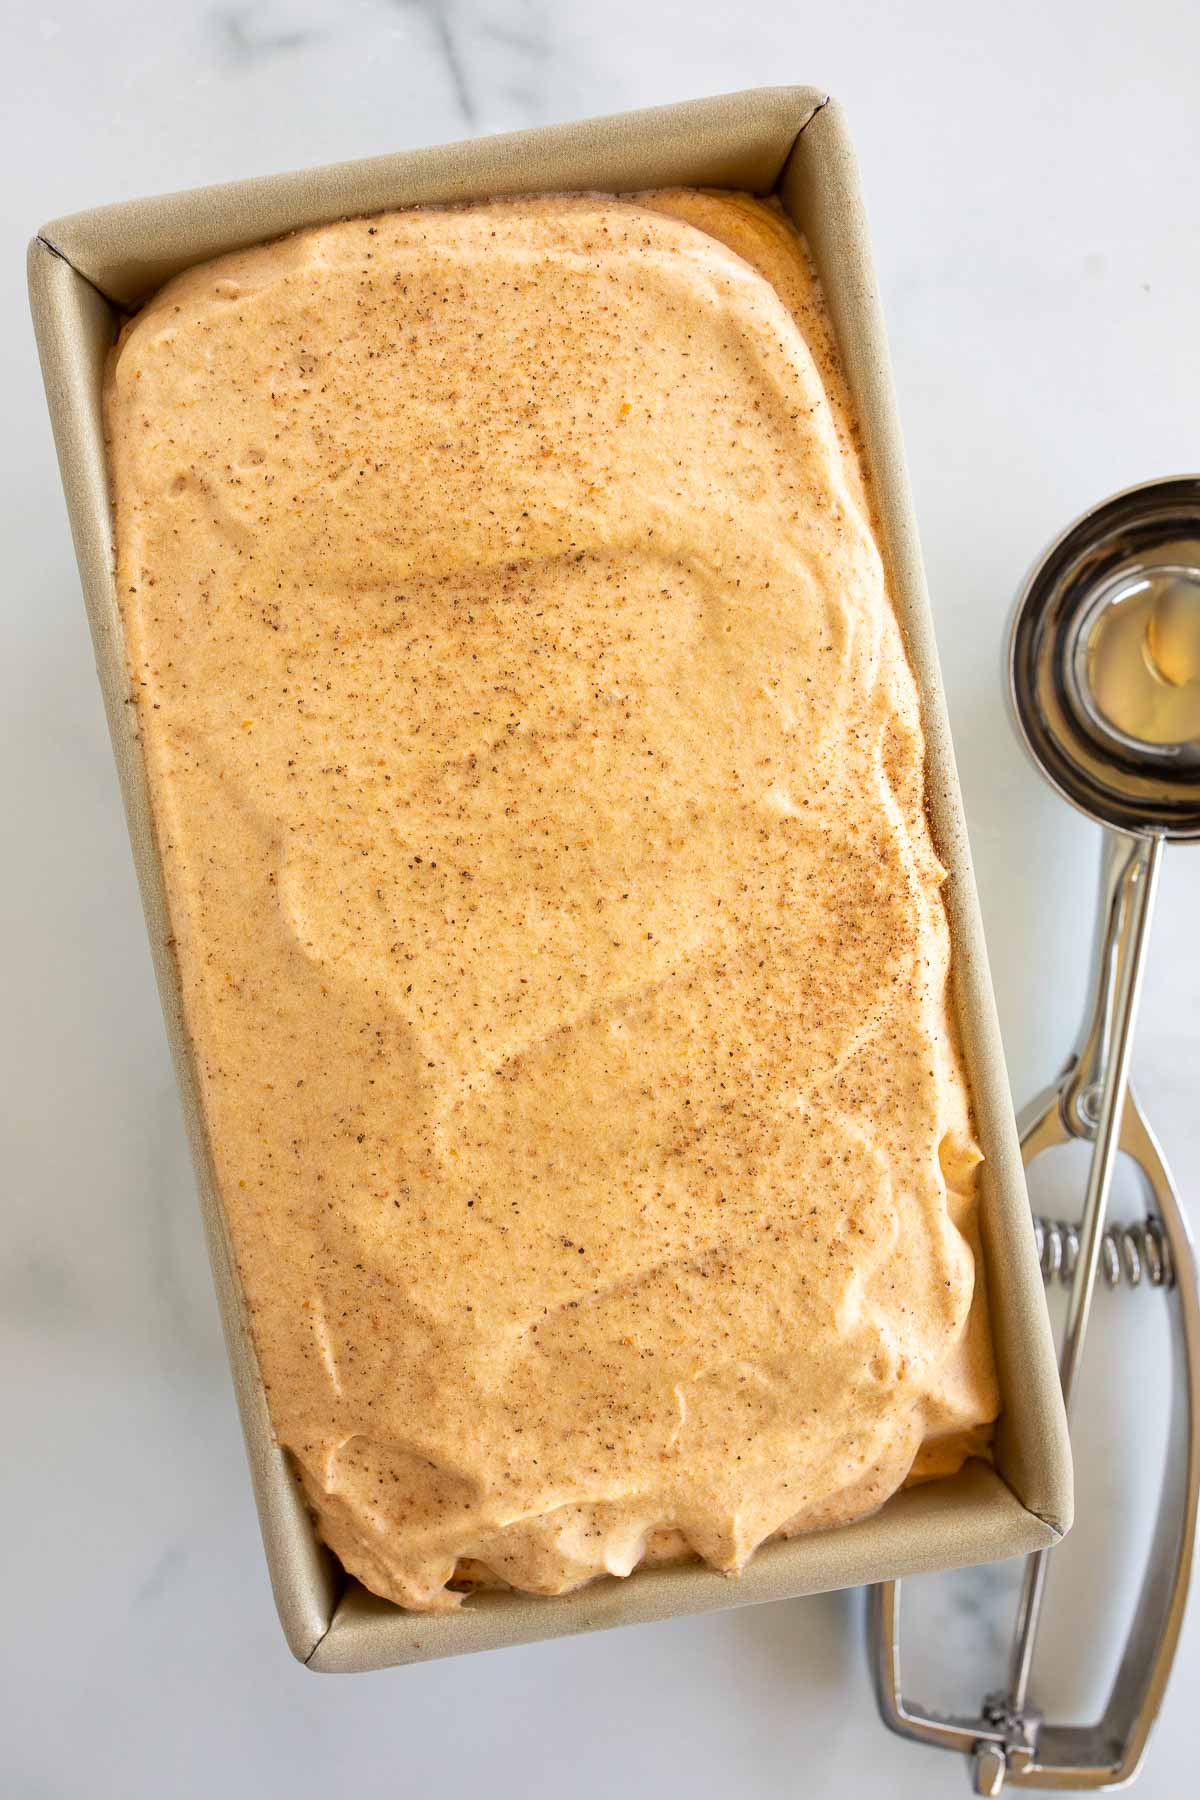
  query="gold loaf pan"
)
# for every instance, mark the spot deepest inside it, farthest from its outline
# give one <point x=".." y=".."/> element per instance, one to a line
<point x="85" y="272"/>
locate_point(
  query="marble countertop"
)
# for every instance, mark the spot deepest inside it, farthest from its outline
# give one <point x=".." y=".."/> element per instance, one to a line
<point x="1031" y="177"/>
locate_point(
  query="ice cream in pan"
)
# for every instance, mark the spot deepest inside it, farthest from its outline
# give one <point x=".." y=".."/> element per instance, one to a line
<point x="538" y="776"/>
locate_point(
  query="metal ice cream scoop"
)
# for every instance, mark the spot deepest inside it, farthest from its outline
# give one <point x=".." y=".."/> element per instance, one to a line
<point x="1104" y="681"/>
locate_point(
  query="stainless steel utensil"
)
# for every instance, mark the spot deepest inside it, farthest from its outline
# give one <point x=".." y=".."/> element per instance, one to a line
<point x="1104" y="681"/>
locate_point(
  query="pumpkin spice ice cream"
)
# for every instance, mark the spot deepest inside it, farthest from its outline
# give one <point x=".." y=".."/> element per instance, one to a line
<point x="537" y="771"/>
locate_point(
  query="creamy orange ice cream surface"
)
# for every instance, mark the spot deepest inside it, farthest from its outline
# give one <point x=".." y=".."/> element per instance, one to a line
<point x="537" y="773"/>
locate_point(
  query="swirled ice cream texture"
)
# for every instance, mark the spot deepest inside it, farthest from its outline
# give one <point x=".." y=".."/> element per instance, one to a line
<point x="537" y="770"/>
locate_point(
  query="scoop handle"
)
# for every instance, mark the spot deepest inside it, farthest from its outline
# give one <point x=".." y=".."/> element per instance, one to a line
<point x="1008" y="1743"/>
<point x="1129" y="878"/>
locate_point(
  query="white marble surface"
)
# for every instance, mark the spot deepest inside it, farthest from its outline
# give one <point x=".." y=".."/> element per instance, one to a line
<point x="1031" y="172"/>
